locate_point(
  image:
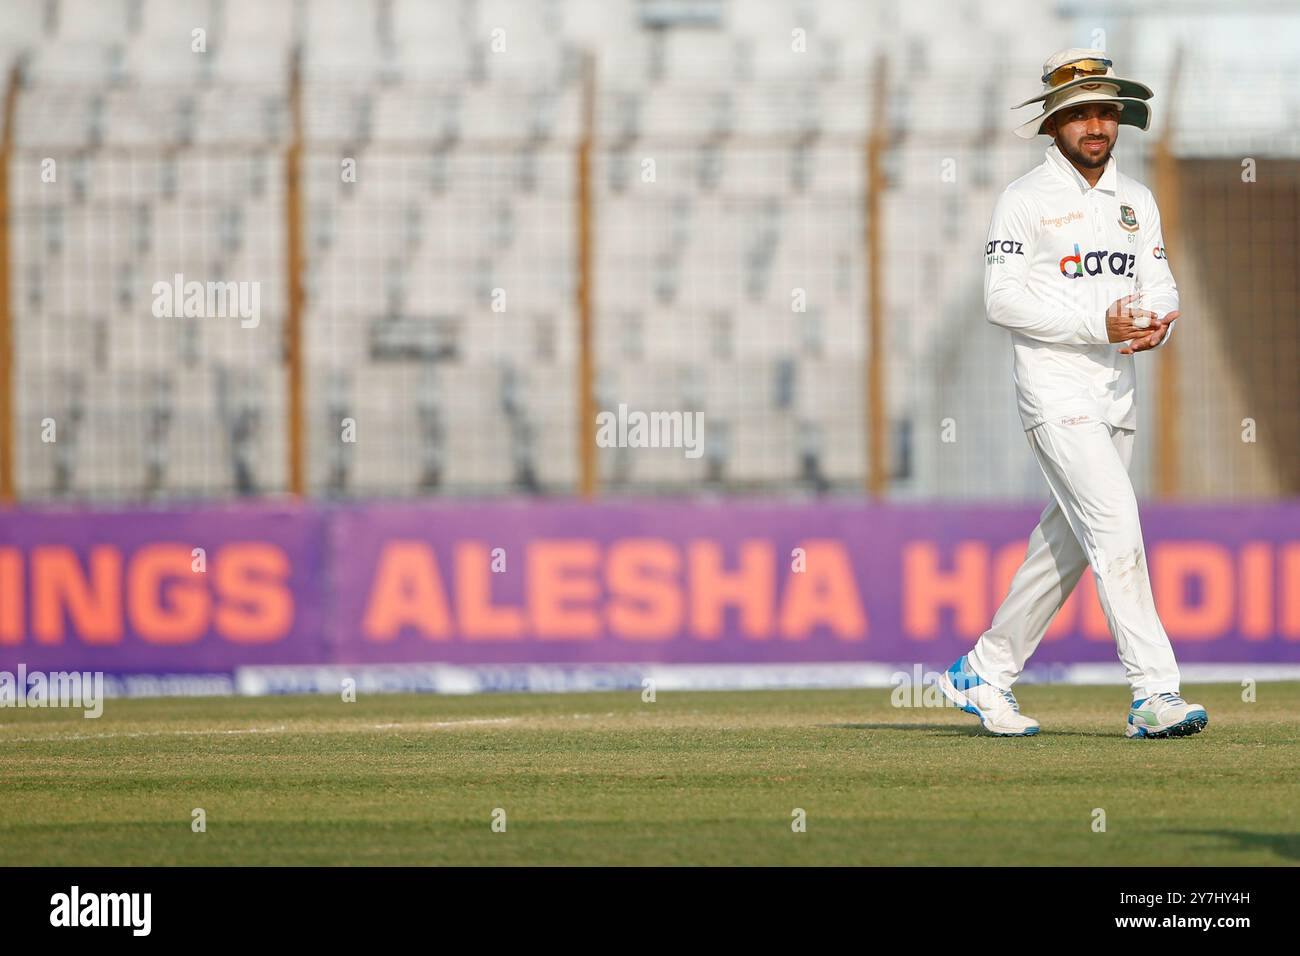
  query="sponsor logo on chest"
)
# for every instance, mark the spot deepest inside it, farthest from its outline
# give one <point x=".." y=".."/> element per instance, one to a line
<point x="1097" y="262"/>
<point x="1059" y="221"/>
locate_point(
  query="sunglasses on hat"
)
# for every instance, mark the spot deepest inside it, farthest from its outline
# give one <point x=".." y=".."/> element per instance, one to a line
<point x="1089" y="67"/>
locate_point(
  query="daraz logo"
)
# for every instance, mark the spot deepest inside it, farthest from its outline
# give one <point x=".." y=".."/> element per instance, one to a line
<point x="1092" y="263"/>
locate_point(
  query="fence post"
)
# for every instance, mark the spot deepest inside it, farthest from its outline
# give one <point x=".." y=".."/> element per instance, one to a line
<point x="8" y="484"/>
<point x="877" y="409"/>
<point x="586" y="364"/>
<point x="1168" y="196"/>
<point x="293" y="284"/>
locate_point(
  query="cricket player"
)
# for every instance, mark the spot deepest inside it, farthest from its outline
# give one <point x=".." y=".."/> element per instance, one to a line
<point x="1076" y="271"/>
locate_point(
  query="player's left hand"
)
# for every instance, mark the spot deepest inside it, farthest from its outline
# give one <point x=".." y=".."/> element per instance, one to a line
<point x="1150" y="341"/>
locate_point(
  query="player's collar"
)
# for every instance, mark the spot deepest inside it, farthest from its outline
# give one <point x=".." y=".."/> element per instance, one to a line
<point x="1109" y="176"/>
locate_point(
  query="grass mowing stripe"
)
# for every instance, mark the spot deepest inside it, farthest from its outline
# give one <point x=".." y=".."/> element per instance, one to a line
<point x="693" y="778"/>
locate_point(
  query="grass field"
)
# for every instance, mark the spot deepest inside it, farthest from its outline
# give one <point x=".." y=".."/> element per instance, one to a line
<point x="693" y="778"/>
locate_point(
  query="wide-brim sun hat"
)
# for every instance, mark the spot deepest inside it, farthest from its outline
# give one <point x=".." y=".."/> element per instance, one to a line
<point x="1075" y="76"/>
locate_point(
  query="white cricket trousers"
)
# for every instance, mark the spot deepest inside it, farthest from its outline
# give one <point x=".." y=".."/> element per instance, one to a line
<point x="1091" y="520"/>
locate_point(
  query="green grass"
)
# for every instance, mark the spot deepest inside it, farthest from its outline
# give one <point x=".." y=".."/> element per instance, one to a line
<point x="698" y="778"/>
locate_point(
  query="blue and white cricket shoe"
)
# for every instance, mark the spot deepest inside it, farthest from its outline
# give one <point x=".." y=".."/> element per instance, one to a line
<point x="997" y="709"/>
<point x="1165" y="715"/>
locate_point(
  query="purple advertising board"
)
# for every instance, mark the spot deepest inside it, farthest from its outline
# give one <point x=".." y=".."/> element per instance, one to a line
<point x="161" y="591"/>
<point x="211" y="589"/>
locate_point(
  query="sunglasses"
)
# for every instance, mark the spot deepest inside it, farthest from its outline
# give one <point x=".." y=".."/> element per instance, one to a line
<point x="1063" y="74"/>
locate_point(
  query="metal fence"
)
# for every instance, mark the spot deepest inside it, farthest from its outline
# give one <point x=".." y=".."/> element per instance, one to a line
<point x="449" y="287"/>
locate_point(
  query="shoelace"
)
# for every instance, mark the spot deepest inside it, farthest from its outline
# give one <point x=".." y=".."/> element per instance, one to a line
<point x="1171" y="698"/>
<point x="1010" y="698"/>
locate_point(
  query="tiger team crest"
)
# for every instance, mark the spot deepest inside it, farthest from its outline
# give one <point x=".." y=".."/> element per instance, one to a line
<point x="1128" y="218"/>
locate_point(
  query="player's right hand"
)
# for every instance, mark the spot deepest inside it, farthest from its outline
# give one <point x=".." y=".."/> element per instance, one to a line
<point x="1124" y="322"/>
<point x="1153" y="340"/>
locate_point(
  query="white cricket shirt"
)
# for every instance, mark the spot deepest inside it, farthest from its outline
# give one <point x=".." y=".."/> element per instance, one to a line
<point x="1059" y="252"/>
